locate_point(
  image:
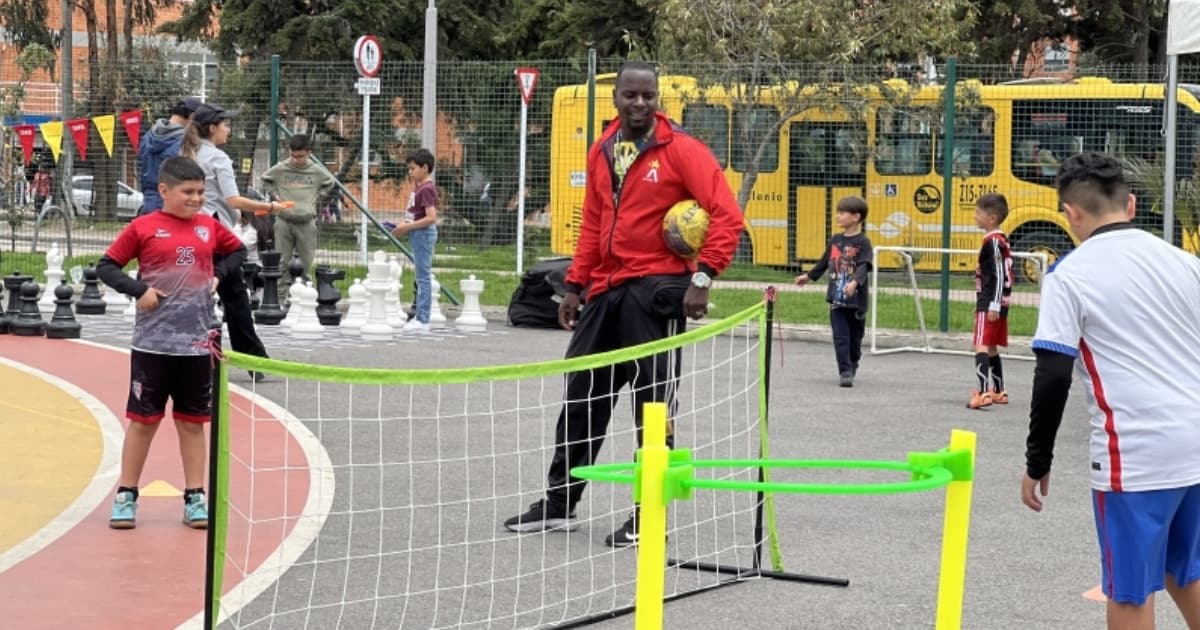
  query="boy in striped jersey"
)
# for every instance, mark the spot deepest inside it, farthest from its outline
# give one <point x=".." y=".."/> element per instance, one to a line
<point x="993" y="289"/>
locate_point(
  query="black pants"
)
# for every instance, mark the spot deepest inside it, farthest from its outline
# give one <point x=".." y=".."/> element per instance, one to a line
<point x="636" y="312"/>
<point x="848" y="325"/>
<point x="235" y="303"/>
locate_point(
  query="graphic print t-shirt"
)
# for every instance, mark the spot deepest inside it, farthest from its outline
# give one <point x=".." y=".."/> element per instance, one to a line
<point x="174" y="256"/>
<point x="846" y="254"/>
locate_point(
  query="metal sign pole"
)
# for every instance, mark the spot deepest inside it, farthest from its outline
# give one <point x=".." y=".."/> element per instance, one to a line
<point x="366" y="174"/>
<point x="521" y="191"/>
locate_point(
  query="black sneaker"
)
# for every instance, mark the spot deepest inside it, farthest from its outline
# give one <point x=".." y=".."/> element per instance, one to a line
<point x="626" y="535"/>
<point x="542" y="517"/>
<point x="847" y="379"/>
<point x="257" y="377"/>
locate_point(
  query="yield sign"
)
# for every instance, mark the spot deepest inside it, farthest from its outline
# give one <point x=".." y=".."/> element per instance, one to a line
<point x="527" y="79"/>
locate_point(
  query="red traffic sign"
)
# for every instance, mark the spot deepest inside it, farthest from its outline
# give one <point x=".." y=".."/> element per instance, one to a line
<point x="527" y="80"/>
<point x="368" y="55"/>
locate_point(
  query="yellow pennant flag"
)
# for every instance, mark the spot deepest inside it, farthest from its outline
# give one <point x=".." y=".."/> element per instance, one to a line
<point x="52" y="134"/>
<point x="105" y="126"/>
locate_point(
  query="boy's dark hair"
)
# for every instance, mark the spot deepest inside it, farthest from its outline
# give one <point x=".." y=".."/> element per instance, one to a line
<point x="300" y="142"/>
<point x="994" y="204"/>
<point x="637" y="65"/>
<point x="1093" y="182"/>
<point x="176" y="170"/>
<point x="854" y="205"/>
<point x="421" y="157"/>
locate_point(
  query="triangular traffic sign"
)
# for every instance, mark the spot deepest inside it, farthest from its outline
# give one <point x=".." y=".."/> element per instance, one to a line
<point x="527" y="80"/>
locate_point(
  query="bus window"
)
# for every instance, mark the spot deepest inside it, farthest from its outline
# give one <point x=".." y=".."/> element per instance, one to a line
<point x="710" y="124"/>
<point x="902" y="141"/>
<point x="1047" y="132"/>
<point x="974" y="133"/>
<point x="751" y="127"/>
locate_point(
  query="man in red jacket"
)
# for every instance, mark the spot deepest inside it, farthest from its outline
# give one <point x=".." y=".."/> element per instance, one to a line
<point x="638" y="290"/>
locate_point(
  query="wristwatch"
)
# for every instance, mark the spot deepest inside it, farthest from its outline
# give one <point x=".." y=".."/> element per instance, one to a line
<point x="701" y="280"/>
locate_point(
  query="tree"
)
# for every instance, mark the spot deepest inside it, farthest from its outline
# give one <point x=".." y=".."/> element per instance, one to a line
<point x="25" y="24"/>
<point x="552" y="29"/>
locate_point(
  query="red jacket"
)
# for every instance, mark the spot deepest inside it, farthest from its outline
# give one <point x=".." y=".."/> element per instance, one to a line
<point x="619" y="243"/>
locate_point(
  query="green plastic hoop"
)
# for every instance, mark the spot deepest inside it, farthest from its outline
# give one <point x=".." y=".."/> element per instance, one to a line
<point x="923" y="477"/>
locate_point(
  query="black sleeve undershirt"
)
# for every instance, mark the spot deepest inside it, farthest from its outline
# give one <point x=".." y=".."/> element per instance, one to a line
<point x="1051" y="387"/>
<point x="110" y="273"/>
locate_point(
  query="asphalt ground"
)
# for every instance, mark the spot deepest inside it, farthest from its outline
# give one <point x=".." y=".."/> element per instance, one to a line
<point x="1024" y="570"/>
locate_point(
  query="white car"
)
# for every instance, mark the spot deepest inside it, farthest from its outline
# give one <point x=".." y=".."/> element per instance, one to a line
<point x="129" y="201"/>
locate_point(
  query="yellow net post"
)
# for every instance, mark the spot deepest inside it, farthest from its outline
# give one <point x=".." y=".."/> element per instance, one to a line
<point x="955" y="528"/>
<point x="652" y="518"/>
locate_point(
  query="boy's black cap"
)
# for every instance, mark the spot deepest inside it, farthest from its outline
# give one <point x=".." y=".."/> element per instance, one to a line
<point x="186" y="107"/>
<point x="207" y="114"/>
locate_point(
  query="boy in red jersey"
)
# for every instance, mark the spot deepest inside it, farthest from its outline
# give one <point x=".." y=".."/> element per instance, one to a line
<point x="993" y="290"/>
<point x="169" y="355"/>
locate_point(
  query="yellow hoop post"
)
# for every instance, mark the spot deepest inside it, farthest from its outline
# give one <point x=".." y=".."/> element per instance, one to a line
<point x="955" y="528"/>
<point x="652" y="518"/>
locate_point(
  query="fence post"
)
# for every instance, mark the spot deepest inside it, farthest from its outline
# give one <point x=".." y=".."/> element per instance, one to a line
<point x="947" y="186"/>
<point x="274" y="156"/>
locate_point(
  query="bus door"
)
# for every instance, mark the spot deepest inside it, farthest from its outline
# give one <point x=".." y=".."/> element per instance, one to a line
<point x="826" y="161"/>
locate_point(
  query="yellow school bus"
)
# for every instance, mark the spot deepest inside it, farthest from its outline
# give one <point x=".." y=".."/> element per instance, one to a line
<point x="1009" y="138"/>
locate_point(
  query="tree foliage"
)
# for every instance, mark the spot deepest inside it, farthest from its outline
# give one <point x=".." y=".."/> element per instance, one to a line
<point x="26" y="22"/>
<point x="552" y="29"/>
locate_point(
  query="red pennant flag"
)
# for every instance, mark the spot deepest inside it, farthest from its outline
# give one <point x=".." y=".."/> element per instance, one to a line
<point x="79" y="132"/>
<point x="132" y="121"/>
<point x="26" y="134"/>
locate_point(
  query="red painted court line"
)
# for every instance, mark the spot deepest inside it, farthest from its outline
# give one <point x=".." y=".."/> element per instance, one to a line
<point x="151" y="577"/>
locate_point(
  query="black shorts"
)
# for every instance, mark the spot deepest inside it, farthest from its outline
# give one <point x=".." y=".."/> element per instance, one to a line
<point x="153" y="378"/>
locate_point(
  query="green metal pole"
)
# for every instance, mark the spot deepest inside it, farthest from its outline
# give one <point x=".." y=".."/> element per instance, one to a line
<point x="591" y="99"/>
<point x="274" y="156"/>
<point x="947" y="188"/>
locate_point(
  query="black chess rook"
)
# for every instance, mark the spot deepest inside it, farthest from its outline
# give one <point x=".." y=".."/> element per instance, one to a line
<point x="91" y="302"/>
<point x="269" y="312"/>
<point x="328" y="295"/>
<point x="62" y="324"/>
<point x="28" y="322"/>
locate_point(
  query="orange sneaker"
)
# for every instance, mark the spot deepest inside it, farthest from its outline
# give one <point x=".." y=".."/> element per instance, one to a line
<point x="1000" y="398"/>
<point x="978" y="400"/>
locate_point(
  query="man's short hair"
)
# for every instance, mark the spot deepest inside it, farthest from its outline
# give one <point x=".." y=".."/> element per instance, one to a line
<point x="421" y="157"/>
<point x="177" y="170"/>
<point x="853" y="205"/>
<point x="994" y="204"/>
<point x="1094" y="182"/>
<point x="300" y="142"/>
<point x="637" y="65"/>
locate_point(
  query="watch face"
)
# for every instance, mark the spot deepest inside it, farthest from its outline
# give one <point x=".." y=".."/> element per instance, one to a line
<point x="701" y="280"/>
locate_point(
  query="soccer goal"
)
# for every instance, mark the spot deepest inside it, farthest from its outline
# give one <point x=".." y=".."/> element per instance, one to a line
<point x="906" y="303"/>
<point x="373" y="498"/>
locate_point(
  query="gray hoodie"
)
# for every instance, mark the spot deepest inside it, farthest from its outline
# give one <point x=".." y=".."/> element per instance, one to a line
<point x="302" y="186"/>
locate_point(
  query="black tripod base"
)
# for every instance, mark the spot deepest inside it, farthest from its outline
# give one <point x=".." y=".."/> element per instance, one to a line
<point x="755" y="572"/>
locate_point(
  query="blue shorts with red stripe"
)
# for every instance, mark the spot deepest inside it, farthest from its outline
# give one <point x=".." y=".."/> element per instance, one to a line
<point x="1144" y="536"/>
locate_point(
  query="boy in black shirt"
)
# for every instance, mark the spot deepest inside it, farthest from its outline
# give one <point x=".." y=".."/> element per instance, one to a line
<point x="849" y="253"/>
<point x="993" y="290"/>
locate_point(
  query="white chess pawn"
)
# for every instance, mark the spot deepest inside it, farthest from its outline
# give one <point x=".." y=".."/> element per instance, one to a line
<point x="54" y="276"/>
<point x="377" y="328"/>
<point x="114" y="299"/>
<point x="356" y="314"/>
<point x="395" y="312"/>
<point x="471" y="319"/>
<point x="436" y="318"/>
<point x="130" y="312"/>
<point x="307" y="325"/>
<point x="290" y="319"/>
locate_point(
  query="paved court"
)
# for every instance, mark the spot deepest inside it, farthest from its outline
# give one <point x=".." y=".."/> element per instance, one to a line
<point x="1025" y="570"/>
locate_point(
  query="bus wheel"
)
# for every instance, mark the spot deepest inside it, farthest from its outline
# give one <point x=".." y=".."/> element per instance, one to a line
<point x="1053" y="244"/>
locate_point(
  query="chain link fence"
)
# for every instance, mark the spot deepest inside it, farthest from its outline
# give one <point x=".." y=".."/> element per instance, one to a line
<point x="794" y="140"/>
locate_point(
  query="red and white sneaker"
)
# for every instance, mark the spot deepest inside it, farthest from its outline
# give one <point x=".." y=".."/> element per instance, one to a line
<point x="979" y="400"/>
<point x="1000" y="398"/>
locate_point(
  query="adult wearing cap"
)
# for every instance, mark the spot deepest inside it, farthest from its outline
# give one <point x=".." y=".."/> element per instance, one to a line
<point x="161" y="143"/>
<point x="207" y="131"/>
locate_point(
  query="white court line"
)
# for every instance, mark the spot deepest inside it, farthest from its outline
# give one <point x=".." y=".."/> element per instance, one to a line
<point x="112" y="433"/>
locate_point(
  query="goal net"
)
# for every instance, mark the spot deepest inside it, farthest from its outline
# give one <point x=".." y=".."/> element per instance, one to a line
<point x="346" y="497"/>
<point x="909" y="305"/>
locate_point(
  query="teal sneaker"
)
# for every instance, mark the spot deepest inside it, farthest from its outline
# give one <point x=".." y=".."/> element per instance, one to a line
<point x="124" y="511"/>
<point x="195" y="512"/>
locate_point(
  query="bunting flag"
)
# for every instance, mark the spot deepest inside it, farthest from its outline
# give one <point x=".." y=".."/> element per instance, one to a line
<point x="104" y="126"/>
<point x="52" y="133"/>
<point x="26" y="134"/>
<point x="132" y="121"/>
<point x="79" y="132"/>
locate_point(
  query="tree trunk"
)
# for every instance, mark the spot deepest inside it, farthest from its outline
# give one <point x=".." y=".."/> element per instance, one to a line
<point x="128" y="31"/>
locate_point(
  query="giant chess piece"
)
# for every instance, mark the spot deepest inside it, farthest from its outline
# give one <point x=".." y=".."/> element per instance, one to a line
<point x="250" y="276"/>
<point x="356" y="314"/>
<point x="391" y="300"/>
<point x="63" y="325"/>
<point x="378" y="274"/>
<point x="296" y="270"/>
<point x="436" y="318"/>
<point x="293" y="313"/>
<point x="269" y="312"/>
<point x="54" y="275"/>
<point x="29" y="322"/>
<point x="471" y="319"/>
<point x="90" y="301"/>
<point x="328" y="295"/>
<point x="304" y="302"/>
<point x="12" y="284"/>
